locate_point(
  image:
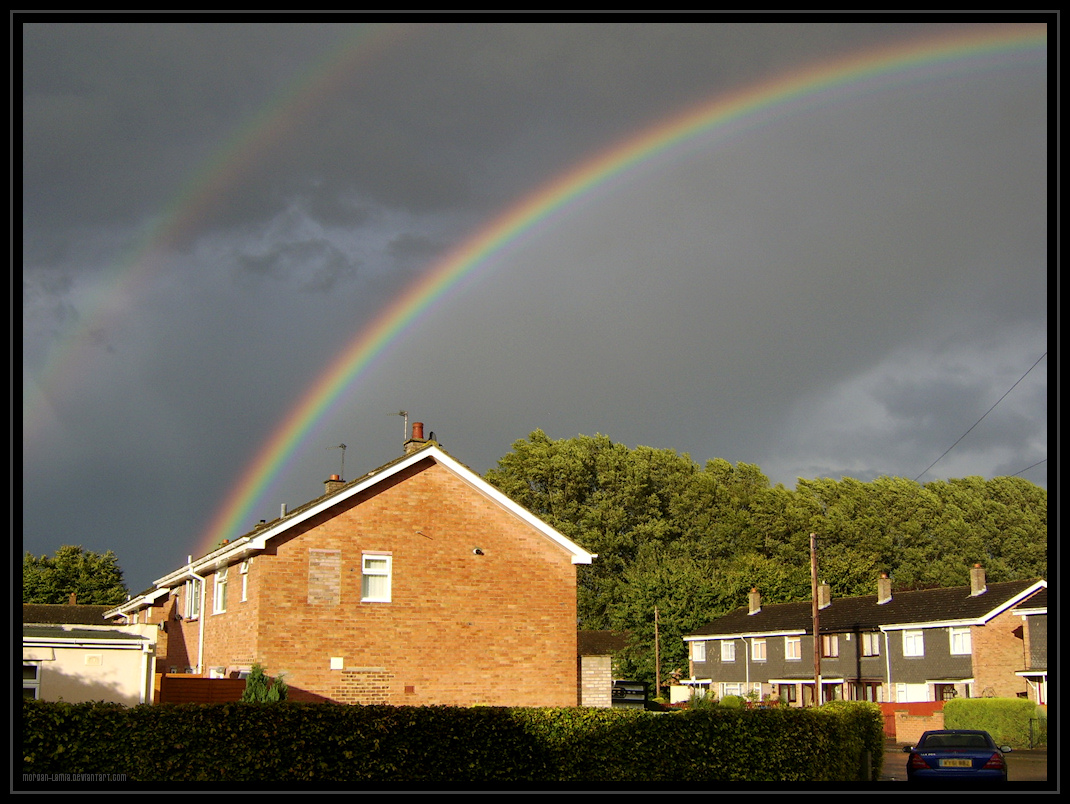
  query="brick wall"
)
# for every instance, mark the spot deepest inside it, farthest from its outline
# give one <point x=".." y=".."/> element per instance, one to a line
<point x="998" y="651"/>
<point x="495" y="628"/>
<point x="596" y="681"/>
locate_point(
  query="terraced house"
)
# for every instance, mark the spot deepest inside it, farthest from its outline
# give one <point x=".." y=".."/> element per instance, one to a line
<point x="925" y="645"/>
<point x="418" y="583"/>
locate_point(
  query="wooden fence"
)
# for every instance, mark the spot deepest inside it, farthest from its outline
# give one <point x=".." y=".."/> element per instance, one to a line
<point x="180" y="688"/>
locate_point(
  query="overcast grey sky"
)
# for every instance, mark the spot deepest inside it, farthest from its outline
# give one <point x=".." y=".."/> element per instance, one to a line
<point x="212" y="211"/>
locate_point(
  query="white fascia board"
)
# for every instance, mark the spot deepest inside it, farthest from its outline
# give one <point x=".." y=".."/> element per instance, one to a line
<point x="134" y="643"/>
<point x="135" y="603"/>
<point x="745" y="635"/>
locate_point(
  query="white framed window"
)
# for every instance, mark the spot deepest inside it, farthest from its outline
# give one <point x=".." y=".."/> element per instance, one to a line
<point x="757" y="650"/>
<point x="871" y="643"/>
<point x="792" y="648"/>
<point x="193" y="599"/>
<point x="219" y="596"/>
<point x="731" y="688"/>
<point x="243" y="570"/>
<point x="698" y="651"/>
<point x="961" y="643"/>
<point x="830" y="646"/>
<point x="31" y="680"/>
<point x="375" y="577"/>
<point x="913" y="643"/>
<point x="728" y="650"/>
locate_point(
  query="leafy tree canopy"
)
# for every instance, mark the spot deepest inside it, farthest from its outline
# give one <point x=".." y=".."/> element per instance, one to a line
<point x="92" y="577"/>
<point x="693" y="540"/>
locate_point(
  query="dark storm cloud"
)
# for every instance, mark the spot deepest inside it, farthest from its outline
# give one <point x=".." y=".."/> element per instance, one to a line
<point x="205" y="228"/>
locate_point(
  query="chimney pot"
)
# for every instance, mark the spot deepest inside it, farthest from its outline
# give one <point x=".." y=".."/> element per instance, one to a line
<point x="417" y="431"/>
<point x="417" y="441"/>
<point x="332" y="484"/>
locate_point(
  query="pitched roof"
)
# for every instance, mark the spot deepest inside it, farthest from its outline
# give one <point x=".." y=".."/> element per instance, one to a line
<point x="600" y="643"/>
<point x="911" y="608"/>
<point x="258" y="538"/>
<point x="78" y="614"/>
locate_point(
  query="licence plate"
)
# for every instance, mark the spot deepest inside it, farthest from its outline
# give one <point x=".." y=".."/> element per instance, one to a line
<point x="956" y="763"/>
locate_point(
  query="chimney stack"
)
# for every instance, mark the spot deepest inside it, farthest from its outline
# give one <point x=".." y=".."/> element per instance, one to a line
<point x="73" y="599"/>
<point x="977" y="581"/>
<point x="332" y="484"/>
<point x="824" y="595"/>
<point x="417" y="441"/>
<point x="884" y="589"/>
<point x="755" y="601"/>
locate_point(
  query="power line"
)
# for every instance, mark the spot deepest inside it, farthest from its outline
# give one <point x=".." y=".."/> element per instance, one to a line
<point x="931" y="465"/>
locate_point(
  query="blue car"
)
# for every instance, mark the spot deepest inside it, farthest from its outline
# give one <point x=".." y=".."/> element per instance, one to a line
<point x="957" y="755"/>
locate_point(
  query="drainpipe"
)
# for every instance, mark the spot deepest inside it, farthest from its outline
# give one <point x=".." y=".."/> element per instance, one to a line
<point x="200" y="615"/>
<point x="888" y="663"/>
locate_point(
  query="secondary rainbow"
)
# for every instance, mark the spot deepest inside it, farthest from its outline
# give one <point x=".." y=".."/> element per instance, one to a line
<point x="828" y="82"/>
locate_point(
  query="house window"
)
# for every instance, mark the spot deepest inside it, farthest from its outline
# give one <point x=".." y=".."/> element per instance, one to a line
<point x="728" y="651"/>
<point x="787" y="693"/>
<point x="698" y="651"/>
<point x="961" y="643"/>
<point x="913" y="643"/>
<point x="731" y="688"/>
<point x="792" y="648"/>
<point x="31" y="680"/>
<point x="219" y="598"/>
<point x="193" y="599"/>
<point x="243" y="570"/>
<point x="871" y="643"/>
<point x="830" y="646"/>
<point x="375" y="580"/>
<point x="757" y="650"/>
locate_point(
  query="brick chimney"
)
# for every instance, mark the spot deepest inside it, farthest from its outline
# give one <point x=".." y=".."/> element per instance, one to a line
<point x="824" y="595"/>
<point x="73" y="599"/>
<point x="977" y="581"/>
<point x="755" y="601"/>
<point x="884" y="589"/>
<point x="332" y="484"/>
<point x="417" y="441"/>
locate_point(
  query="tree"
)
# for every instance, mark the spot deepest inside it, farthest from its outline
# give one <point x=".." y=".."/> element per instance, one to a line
<point x="93" y="578"/>
<point x="260" y="689"/>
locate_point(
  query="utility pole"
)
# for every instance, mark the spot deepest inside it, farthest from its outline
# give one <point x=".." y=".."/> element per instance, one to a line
<point x="657" y="657"/>
<point x="817" y="636"/>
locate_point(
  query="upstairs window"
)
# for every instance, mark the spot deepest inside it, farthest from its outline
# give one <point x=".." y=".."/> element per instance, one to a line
<point x="375" y="580"/>
<point x="961" y="644"/>
<point x="728" y="651"/>
<point x="219" y="598"/>
<point x="871" y="643"/>
<point x="193" y="599"/>
<point x="698" y="651"/>
<point x="830" y="646"/>
<point x="913" y="643"/>
<point x="757" y="650"/>
<point x="792" y="648"/>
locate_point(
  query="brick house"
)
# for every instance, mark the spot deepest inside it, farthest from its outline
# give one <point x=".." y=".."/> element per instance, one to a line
<point x="417" y="584"/>
<point x="924" y="645"/>
<point x="1034" y="615"/>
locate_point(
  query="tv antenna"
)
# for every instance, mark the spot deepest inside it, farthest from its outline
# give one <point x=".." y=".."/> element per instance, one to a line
<point x="405" y="433"/>
<point x="343" y="448"/>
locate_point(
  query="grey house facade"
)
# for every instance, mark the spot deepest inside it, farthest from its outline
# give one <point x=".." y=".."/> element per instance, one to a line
<point x="925" y="645"/>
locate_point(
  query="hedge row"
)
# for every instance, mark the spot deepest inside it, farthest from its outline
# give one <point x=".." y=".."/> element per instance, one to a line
<point x="294" y="742"/>
<point x="1006" y="719"/>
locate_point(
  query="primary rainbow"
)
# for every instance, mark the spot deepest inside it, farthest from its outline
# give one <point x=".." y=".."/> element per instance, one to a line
<point x="973" y="49"/>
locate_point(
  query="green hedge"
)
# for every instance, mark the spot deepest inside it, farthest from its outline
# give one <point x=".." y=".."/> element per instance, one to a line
<point x="1006" y="719"/>
<point x="293" y="742"/>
